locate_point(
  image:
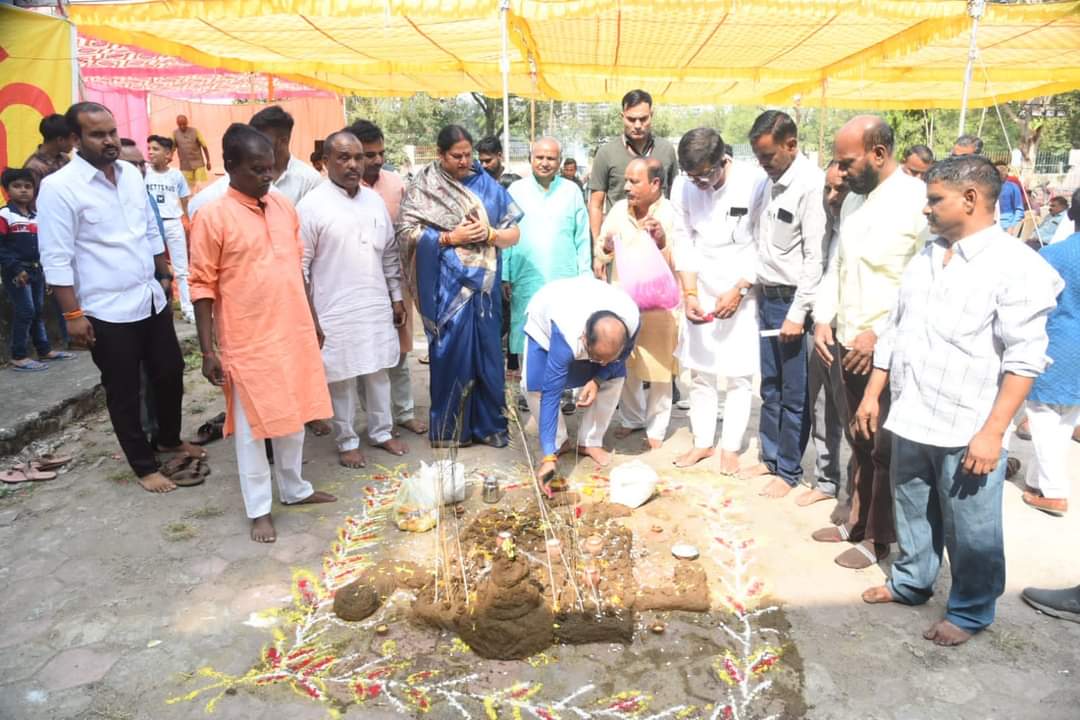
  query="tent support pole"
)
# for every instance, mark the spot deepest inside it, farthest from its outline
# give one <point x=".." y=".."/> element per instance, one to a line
<point x="975" y="10"/>
<point x="504" y="65"/>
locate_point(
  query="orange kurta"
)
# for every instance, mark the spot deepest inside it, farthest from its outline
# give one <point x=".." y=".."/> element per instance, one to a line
<point x="246" y="256"/>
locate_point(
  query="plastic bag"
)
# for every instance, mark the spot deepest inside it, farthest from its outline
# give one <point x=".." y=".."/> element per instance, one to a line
<point x="416" y="507"/>
<point x="632" y="484"/>
<point x="644" y="273"/>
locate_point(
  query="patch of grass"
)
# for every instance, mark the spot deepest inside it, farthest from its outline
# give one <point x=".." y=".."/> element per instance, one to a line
<point x="193" y="361"/>
<point x="178" y="532"/>
<point x="205" y="512"/>
<point x="111" y="713"/>
<point x="1009" y="642"/>
<point x="121" y="476"/>
<point x="197" y="409"/>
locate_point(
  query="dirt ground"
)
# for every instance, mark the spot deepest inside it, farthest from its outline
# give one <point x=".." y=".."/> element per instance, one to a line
<point x="121" y="604"/>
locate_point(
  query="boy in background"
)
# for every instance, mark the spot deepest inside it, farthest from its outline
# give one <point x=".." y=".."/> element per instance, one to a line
<point x="21" y="268"/>
<point x="170" y="192"/>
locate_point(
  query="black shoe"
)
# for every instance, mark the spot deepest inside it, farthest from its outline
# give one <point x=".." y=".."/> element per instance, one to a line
<point x="1064" y="604"/>
<point x="522" y="404"/>
<point x="496" y="440"/>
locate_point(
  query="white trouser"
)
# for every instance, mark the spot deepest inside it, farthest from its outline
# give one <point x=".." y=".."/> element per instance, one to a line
<point x="1051" y="434"/>
<point x="176" y="241"/>
<point x="401" y="395"/>
<point x="595" y="419"/>
<point x="704" y="398"/>
<point x="344" y="399"/>
<point x="254" y="468"/>
<point x="649" y="409"/>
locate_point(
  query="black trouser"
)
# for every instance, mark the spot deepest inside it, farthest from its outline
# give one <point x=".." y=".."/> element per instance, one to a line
<point x="120" y="350"/>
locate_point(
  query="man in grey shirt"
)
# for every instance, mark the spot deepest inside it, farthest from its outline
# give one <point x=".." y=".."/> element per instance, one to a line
<point x="606" y="179"/>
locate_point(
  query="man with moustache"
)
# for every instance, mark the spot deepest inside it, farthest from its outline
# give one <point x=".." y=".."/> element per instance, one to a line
<point x="961" y="349"/>
<point x="881" y="227"/>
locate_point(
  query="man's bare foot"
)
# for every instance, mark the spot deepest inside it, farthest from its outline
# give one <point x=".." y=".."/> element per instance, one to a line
<point x="776" y="488"/>
<point x="316" y="497"/>
<point x="191" y="451"/>
<point x="812" y="496"/>
<point x="157" y="483"/>
<point x="729" y="462"/>
<point x="415" y="426"/>
<point x="262" y="529"/>
<point x="653" y="444"/>
<point x="353" y="459"/>
<point x="878" y="595"/>
<point x="692" y="457"/>
<point x="621" y="433"/>
<point x="319" y="427"/>
<point x="755" y="471"/>
<point x="599" y="455"/>
<point x="566" y="447"/>
<point x="945" y="634"/>
<point x="394" y="446"/>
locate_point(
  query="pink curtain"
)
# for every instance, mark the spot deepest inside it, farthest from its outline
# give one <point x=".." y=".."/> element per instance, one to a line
<point x="129" y="109"/>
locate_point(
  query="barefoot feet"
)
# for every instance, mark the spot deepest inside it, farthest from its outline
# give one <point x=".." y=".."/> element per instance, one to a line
<point x="394" y="446"/>
<point x="945" y="634"/>
<point x="812" y="496"/>
<point x="692" y="457"/>
<point x="319" y="427"/>
<point x="755" y="471"/>
<point x="729" y="463"/>
<point x="157" y="483"/>
<point x="189" y="450"/>
<point x="776" y="488"/>
<point x="599" y="455"/>
<point x="878" y="595"/>
<point x="415" y="426"/>
<point x="353" y="459"/>
<point x="653" y="444"/>
<point x="316" y="497"/>
<point x="262" y="529"/>
<point x="621" y="433"/>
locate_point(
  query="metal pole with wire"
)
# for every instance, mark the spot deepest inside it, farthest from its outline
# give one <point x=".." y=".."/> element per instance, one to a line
<point x="975" y="10"/>
<point x="504" y="65"/>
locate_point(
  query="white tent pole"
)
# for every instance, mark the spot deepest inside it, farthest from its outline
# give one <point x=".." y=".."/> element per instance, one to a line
<point x="975" y="10"/>
<point x="504" y="22"/>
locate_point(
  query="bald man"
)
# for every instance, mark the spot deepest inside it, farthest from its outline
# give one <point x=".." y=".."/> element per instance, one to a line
<point x="882" y="226"/>
<point x="554" y="240"/>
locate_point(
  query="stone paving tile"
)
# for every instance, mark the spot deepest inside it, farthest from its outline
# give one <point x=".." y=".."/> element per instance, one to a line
<point x="299" y="547"/>
<point x="75" y="667"/>
<point x="82" y="629"/>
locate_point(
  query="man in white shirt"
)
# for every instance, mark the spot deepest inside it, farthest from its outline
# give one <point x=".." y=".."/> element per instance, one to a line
<point x="104" y="256"/>
<point x="963" y="345"/>
<point x="293" y="177"/>
<point x="715" y="257"/>
<point x="788" y="221"/>
<point x="881" y="227"/>
<point x="170" y="192"/>
<point x="353" y="269"/>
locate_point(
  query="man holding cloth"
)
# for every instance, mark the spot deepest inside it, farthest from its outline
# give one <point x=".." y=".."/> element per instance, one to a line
<point x="353" y="267"/>
<point x="882" y="226"/>
<point x="579" y="333"/>
<point x="249" y="293"/>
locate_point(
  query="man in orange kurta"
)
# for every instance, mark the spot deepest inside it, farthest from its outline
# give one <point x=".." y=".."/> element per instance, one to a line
<point x="248" y="291"/>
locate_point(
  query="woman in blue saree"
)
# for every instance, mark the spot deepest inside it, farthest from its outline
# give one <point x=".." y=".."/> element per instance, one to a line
<point x="455" y="219"/>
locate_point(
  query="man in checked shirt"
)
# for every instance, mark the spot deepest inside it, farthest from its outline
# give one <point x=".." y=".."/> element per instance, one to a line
<point x="963" y="345"/>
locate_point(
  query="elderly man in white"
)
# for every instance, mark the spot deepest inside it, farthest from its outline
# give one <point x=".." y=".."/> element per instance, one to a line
<point x="352" y="264"/>
<point x="716" y="258"/>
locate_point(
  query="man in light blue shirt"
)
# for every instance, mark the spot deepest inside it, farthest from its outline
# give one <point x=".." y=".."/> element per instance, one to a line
<point x="1011" y="200"/>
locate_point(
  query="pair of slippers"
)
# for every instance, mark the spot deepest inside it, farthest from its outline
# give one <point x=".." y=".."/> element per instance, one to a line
<point x="186" y="471"/>
<point x="211" y="430"/>
<point x="39" y="470"/>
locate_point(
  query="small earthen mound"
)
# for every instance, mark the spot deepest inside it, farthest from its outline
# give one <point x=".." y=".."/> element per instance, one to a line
<point x="356" y="601"/>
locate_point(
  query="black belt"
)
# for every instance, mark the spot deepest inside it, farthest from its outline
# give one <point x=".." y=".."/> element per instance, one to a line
<point x="779" y="292"/>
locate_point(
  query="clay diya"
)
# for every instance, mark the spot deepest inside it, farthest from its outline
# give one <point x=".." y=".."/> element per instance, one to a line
<point x="594" y="544"/>
<point x="684" y="551"/>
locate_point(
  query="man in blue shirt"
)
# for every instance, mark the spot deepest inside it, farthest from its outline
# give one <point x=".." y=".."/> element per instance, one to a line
<point x="579" y="332"/>
<point x="1010" y="201"/>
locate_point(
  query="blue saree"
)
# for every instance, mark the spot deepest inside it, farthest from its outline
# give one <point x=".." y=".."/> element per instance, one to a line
<point x="457" y="290"/>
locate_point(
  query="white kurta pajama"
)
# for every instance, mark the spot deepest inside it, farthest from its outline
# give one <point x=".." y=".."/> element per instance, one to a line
<point x="713" y="239"/>
<point x="352" y="262"/>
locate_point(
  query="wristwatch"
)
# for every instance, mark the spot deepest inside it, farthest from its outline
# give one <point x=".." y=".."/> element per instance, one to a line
<point x="744" y="291"/>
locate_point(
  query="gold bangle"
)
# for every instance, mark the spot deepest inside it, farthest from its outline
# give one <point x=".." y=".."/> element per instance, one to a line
<point x="688" y="293"/>
<point x="549" y="458"/>
<point x="491" y="236"/>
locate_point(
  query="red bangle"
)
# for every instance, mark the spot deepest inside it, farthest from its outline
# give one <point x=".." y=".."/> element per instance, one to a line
<point x="74" y="314"/>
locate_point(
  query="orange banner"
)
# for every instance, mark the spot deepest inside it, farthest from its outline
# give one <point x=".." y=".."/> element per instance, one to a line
<point x="35" y="78"/>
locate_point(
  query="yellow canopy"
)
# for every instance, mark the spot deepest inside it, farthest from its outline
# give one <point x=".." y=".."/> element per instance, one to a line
<point x="861" y="53"/>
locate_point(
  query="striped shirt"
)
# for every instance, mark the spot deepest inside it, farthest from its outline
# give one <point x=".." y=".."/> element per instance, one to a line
<point x="958" y="328"/>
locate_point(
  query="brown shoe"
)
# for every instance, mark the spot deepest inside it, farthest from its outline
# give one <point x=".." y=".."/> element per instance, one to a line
<point x="1051" y="506"/>
<point x="862" y="555"/>
<point x="832" y="534"/>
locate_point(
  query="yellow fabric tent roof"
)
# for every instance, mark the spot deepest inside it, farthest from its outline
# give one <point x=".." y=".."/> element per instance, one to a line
<point x="863" y="53"/>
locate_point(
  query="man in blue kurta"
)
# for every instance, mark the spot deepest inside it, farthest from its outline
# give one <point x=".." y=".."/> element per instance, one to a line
<point x="579" y="333"/>
<point x="1011" y="200"/>
<point x="554" y="240"/>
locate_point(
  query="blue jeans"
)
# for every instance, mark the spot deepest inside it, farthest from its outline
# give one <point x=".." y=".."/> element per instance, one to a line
<point x="28" y="302"/>
<point x="939" y="505"/>
<point x="785" y="422"/>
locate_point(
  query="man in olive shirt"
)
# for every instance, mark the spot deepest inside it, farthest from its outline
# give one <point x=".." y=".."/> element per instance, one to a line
<point x="192" y="151"/>
<point x="637" y="141"/>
